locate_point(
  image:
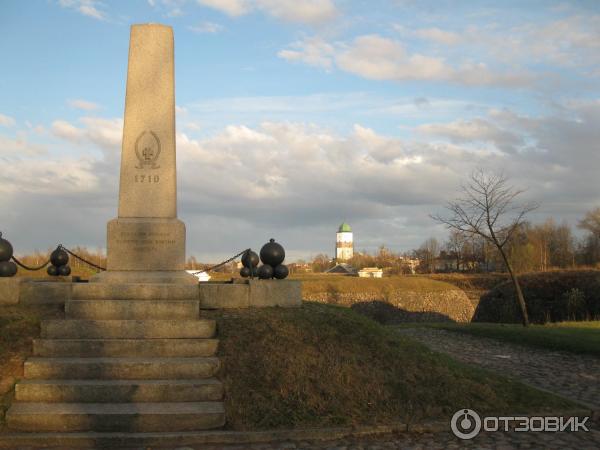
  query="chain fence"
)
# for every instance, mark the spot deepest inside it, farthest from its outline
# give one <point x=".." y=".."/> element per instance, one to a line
<point x="222" y="263"/>
<point x="26" y="267"/>
<point x="91" y="264"/>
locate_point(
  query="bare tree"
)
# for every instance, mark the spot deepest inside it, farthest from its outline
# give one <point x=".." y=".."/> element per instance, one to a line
<point x="591" y="222"/>
<point x="428" y="252"/>
<point x="454" y="245"/>
<point x="488" y="208"/>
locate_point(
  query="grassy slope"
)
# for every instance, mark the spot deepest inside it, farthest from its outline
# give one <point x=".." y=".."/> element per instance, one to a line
<point x="577" y="337"/>
<point x="18" y="326"/>
<point x="319" y="283"/>
<point x="323" y="365"/>
<point x="471" y="281"/>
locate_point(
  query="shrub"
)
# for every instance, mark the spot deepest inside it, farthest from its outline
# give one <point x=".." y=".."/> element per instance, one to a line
<point x="550" y="297"/>
<point x="573" y="304"/>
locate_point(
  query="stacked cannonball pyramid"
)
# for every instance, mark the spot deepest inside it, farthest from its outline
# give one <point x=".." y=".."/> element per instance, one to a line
<point x="7" y="267"/>
<point x="60" y="260"/>
<point x="272" y="255"/>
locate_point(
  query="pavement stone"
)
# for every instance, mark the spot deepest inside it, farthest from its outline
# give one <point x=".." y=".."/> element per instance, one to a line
<point x="569" y="375"/>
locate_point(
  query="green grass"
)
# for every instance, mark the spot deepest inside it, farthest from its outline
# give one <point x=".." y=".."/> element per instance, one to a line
<point x="573" y="324"/>
<point x="324" y="365"/>
<point x="576" y="337"/>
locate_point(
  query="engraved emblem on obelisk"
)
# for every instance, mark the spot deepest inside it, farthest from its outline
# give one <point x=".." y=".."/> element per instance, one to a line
<point x="147" y="149"/>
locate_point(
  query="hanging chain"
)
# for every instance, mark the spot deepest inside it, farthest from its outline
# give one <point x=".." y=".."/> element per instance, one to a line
<point x="62" y="247"/>
<point x="26" y="267"/>
<point x="89" y="263"/>
<point x="223" y="263"/>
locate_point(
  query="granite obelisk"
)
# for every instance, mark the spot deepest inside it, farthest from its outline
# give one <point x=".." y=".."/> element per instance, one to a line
<point x="146" y="242"/>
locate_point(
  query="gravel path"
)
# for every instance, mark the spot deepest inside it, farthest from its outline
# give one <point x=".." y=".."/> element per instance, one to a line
<point x="573" y="376"/>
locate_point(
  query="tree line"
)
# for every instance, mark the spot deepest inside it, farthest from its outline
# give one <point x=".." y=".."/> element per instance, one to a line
<point x="531" y="248"/>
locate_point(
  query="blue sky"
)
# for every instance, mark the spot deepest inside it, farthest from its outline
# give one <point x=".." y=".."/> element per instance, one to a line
<point x="294" y="116"/>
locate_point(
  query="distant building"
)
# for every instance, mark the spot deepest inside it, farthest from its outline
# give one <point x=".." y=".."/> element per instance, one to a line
<point x="299" y="267"/>
<point x="344" y="244"/>
<point x="370" y="272"/>
<point x="343" y="269"/>
<point x="411" y="263"/>
<point x="202" y="276"/>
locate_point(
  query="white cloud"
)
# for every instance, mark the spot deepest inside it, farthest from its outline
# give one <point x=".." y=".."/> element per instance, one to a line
<point x="20" y="145"/>
<point x="312" y="51"/>
<point x="306" y="11"/>
<point x="230" y="7"/>
<point x="175" y="12"/>
<point x="302" y="179"/>
<point x="83" y="104"/>
<point x="206" y="27"/>
<point x="437" y="35"/>
<point x="106" y="133"/>
<point x="170" y="8"/>
<point x="379" y="58"/>
<point x="475" y="130"/>
<point x="87" y="8"/>
<point x="65" y="130"/>
<point x="6" y="121"/>
<point x="572" y="41"/>
<point x="58" y="175"/>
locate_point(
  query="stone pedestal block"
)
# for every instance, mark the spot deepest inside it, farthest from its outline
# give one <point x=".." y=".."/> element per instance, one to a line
<point x="146" y="244"/>
<point x="284" y="293"/>
<point x="9" y="290"/>
<point x="251" y="294"/>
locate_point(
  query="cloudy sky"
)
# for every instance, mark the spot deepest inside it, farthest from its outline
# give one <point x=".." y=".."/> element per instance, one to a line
<point x="293" y="116"/>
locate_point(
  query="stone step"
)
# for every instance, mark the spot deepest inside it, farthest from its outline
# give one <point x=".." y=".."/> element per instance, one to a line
<point x="131" y="417"/>
<point x="118" y="391"/>
<point x="132" y="309"/>
<point x="134" y="291"/>
<point x="124" y="347"/>
<point x="127" y="329"/>
<point x="120" y="368"/>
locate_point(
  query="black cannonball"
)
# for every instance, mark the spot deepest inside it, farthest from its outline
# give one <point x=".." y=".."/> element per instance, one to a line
<point x="52" y="270"/>
<point x="7" y="269"/>
<point x="59" y="257"/>
<point x="6" y="249"/>
<point x="265" y="272"/>
<point x="272" y="253"/>
<point x="250" y="258"/>
<point x="280" y="272"/>
<point x="64" y="271"/>
<point x="249" y="271"/>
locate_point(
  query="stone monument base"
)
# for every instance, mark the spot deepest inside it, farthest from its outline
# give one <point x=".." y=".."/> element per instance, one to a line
<point x="145" y="244"/>
<point x="134" y="276"/>
<point x="145" y="250"/>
